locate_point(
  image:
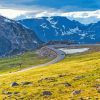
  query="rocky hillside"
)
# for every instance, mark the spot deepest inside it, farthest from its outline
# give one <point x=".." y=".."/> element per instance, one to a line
<point x="46" y="52"/>
<point x="61" y="28"/>
<point x="15" y="38"/>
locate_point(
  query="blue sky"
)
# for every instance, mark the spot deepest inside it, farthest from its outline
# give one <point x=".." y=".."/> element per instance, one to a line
<point x="85" y="11"/>
<point x="67" y="5"/>
<point x="78" y="4"/>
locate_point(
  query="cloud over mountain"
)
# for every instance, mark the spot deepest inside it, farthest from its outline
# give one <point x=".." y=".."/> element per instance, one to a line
<point x="85" y="11"/>
<point x="85" y="17"/>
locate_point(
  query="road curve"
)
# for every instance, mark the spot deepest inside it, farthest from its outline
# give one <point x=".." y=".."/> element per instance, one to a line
<point x="60" y="56"/>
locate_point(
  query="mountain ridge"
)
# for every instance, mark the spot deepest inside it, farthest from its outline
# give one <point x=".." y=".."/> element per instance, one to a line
<point x="15" y="38"/>
<point x="61" y="28"/>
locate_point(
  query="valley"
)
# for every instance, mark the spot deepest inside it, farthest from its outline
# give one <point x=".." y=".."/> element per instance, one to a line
<point x="20" y="62"/>
<point x="49" y="49"/>
<point x="74" y="77"/>
<point x="44" y="65"/>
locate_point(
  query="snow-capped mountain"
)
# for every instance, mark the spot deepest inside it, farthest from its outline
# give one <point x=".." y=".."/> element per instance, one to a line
<point x="61" y="28"/>
<point x="15" y="38"/>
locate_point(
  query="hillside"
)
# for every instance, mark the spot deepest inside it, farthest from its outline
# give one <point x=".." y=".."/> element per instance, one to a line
<point x="21" y="62"/>
<point x="77" y="77"/>
<point x="61" y="28"/>
<point x="15" y="38"/>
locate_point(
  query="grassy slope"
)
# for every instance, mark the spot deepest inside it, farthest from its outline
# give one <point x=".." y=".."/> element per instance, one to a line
<point x="19" y="62"/>
<point x="72" y="66"/>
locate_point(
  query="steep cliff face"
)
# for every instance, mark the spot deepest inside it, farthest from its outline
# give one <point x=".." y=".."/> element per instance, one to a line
<point x="15" y="38"/>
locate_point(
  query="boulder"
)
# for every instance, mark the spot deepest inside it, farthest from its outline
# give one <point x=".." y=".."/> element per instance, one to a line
<point x="75" y="92"/>
<point x="67" y="84"/>
<point x="16" y="93"/>
<point x="98" y="90"/>
<point x="14" y="84"/>
<point x="26" y="83"/>
<point x="47" y="93"/>
<point x="78" y="77"/>
<point x="6" y="92"/>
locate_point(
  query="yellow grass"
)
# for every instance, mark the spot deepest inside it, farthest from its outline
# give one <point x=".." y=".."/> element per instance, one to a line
<point x="87" y="65"/>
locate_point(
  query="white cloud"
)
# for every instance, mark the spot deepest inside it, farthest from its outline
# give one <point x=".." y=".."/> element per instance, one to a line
<point x="85" y="17"/>
<point x="83" y="14"/>
<point x="10" y="13"/>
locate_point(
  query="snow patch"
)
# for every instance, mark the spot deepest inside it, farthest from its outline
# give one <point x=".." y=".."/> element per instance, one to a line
<point x="75" y="30"/>
<point x="82" y="35"/>
<point x="35" y="41"/>
<point x="7" y="20"/>
<point x="23" y="25"/>
<point x="44" y="26"/>
<point x="50" y="19"/>
<point x="72" y="51"/>
<point x="92" y="36"/>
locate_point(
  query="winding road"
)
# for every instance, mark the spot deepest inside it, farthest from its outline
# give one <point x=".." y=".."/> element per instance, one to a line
<point x="60" y="56"/>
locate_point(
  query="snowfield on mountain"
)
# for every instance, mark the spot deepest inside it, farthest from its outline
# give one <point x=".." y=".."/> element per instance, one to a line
<point x="61" y="28"/>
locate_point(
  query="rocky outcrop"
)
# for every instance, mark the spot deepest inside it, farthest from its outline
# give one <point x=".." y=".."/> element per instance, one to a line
<point x="14" y="84"/>
<point x="47" y="93"/>
<point x="15" y="38"/>
<point x="46" y="52"/>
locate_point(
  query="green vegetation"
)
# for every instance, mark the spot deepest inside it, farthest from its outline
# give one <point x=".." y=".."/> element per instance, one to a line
<point x="11" y="64"/>
<point x="56" y="82"/>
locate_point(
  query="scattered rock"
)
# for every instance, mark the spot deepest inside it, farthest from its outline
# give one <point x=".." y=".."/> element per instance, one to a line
<point x="79" y="77"/>
<point x="98" y="90"/>
<point x="6" y="92"/>
<point x="16" y="93"/>
<point x="97" y="80"/>
<point x="96" y="98"/>
<point x="26" y="83"/>
<point x="76" y="92"/>
<point x="81" y="98"/>
<point x="14" y="84"/>
<point x="47" y="93"/>
<point x="62" y="75"/>
<point x="67" y="84"/>
<point x="48" y="79"/>
<point x="97" y="85"/>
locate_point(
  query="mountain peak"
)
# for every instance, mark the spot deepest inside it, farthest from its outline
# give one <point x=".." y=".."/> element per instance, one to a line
<point x="61" y="28"/>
